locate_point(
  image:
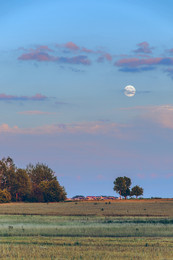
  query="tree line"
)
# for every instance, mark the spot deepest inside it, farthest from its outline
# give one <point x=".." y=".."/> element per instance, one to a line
<point x="122" y="187"/>
<point x="36" y="183"/>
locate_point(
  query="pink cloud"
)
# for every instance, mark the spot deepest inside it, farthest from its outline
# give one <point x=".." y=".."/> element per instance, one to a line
<point x="87" y="50"/>
<point x="74" y="47"/>
<point x="34" y="112"/>
<point x="104" y="56"/>
<point x="42" y="56"/>
<point x="5" y="128"/>
<point x="143" y="47"/>
<point x="161" y="115"/>
<point x="136" y="62"/>
<point x="71" y="46"/>
<point x="38" y="56"/>
<point x="76" y="128"/>
<point x="45" y="48"/>
<point x="37" y="97"/>
<point x="107" y="56"/>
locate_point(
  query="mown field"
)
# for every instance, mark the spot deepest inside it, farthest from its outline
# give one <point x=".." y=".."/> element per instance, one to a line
<point x="85" y="248"/>
<point x="149" y="208"/>
<point x="87" y="230"/>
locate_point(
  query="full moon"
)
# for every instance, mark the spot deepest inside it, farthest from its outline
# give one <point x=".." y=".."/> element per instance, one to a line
<point x="129" y="91"/>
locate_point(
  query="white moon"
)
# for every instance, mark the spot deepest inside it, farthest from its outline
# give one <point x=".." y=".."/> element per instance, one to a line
<point x="129" y="91"/>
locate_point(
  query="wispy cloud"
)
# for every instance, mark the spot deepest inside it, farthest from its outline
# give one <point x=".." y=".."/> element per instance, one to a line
<point x="104" y="56"/>
<point x="161" y="115"/>
<point x="80" y="59"/>
<point x="134" y="69"/>
<point x="45" y="57"/>
<point x="140" y="60"/>
<point x="35" y="112"/>
<point x="144" y="47"/>
<point x="37" y="97"/>
<point x="136" y="62"/>
<point x="69" y="53"/>
<point x="76" y="128"/>
<point x="37" y="56"/>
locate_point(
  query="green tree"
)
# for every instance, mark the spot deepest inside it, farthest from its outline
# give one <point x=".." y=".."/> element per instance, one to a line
<point x="122" y="186"/>
<point x="23" y="186"/>
<point x="52" y="191"/>
<point x="7" y="171"/>
<point x="45" y="186"/>
<point x="40" y="172"/>
<point x="136" y="191"/>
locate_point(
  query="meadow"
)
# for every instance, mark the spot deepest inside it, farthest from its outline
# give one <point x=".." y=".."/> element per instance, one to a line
<point x="87" y="230"/>
<point x="143" y="207"/>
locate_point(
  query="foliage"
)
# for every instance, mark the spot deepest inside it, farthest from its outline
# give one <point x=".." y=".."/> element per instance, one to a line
<point x="40" y="172"/>
<point x="5" y="196"/>
<point x="136" y="191"/>
<point x="36" y="183"/>
<point x="122" y="186"/>
<point x="23" y="185"/>
<point x="52" y="191"/>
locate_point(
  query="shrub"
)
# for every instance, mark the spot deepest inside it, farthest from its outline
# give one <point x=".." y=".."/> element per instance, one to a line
<point x="5" y="196"/>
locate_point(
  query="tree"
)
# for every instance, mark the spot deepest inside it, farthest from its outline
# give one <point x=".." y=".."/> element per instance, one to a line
<point x="40" y="172"/>
<point x="35" y="183"/>
<point x="52" y="191"/>
<point x="7" y="171"/>
<point x="23" y="185"/>
<point x="45" y="186"/>
<point x="122" y="186"/>
<point x="5" y="196"/>
<point x="136" y="191"/>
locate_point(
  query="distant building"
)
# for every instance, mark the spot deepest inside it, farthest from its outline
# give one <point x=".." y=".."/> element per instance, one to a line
<point x="78" y="197"/>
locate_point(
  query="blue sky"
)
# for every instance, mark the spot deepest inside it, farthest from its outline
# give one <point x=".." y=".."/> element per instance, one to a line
<point x="63" y="68"/>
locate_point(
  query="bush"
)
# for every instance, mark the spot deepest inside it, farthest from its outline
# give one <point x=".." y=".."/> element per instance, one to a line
<point x="5" y="196"/>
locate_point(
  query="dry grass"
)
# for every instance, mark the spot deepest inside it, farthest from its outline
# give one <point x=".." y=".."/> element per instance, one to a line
<point x="132" y="229"/>
<point x="143" y="208"/>
<point x="86" y="248"/>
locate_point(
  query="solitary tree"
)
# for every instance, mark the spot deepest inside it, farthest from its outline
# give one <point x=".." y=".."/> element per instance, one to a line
<point x="122" y="186"/>
<point x="136" y="191"/>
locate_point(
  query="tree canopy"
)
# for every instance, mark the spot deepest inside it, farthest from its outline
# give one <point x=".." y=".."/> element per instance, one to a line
<point x="35" y="183"/>
<point x="122" y="187"/>
<point x="137" y="191"/>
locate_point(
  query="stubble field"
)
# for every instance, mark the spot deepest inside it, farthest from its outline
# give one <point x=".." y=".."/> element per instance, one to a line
<point x="133" y="229"/>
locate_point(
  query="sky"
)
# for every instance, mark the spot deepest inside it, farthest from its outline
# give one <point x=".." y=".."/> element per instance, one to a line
<point x="64" y="65"/>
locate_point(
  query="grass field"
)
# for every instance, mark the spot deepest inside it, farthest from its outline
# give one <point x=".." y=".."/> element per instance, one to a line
<point x="87" y="230"/>
<point x="85" y="248"/>
<point x="149" y="208"/>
